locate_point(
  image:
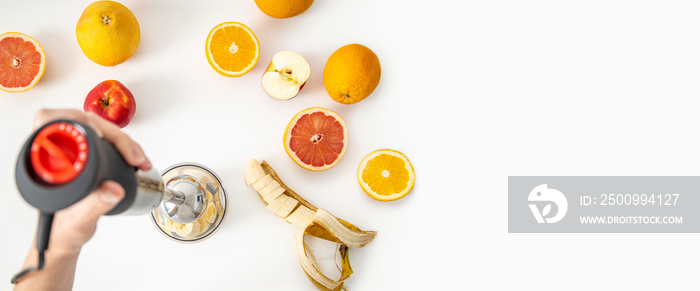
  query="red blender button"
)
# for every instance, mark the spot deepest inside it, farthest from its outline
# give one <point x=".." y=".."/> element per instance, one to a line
<point x="59" y="153"/>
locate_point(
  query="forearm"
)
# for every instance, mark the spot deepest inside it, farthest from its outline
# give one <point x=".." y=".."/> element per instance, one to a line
<point x="57" y="274"/>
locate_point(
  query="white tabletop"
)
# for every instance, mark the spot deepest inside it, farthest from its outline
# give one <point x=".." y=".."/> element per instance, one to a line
<point x="470" y="92"/>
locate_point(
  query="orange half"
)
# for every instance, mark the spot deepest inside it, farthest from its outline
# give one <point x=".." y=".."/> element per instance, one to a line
<point x="22" y="62"/>
<point x="316" y="138"/>
<point x="386" y="175"/>
<point x="232" y="49"/>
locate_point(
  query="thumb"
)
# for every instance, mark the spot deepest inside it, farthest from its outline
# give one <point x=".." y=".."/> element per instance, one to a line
<point x="102" y="200"/>
<point x="76" y="224"/>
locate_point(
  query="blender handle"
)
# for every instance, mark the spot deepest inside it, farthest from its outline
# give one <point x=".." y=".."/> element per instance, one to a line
<point x="43" y="236"/>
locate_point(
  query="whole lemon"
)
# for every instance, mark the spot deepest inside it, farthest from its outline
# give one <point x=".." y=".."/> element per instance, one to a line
<point x="352" y="73"/>
<point x="283" y="8"/>
<point x="108" y="33"/>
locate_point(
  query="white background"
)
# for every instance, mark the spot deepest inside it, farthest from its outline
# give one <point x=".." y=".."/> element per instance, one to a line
<point x="470" y="92"/>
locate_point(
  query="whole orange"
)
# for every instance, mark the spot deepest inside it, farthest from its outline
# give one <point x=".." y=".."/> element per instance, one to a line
<point x="108" y="33"/>
<point x="351" y="74"/>
<point x="283" y="8"/>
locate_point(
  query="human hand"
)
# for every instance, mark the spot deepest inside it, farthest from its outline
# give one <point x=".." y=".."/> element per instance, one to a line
<point x="76" y="224"/>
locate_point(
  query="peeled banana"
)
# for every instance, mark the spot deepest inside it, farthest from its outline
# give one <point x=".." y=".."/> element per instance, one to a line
<point x="192" y="229"/>
<point x="318" y="222"/>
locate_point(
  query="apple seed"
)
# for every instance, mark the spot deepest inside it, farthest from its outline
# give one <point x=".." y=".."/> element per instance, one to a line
<point x="287" y="74"/>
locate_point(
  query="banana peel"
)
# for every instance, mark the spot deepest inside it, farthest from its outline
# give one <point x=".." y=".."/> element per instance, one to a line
<point x="285" y="203"/>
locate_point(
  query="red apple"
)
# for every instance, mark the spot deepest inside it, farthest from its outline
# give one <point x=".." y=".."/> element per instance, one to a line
<point x="111" y="100"/>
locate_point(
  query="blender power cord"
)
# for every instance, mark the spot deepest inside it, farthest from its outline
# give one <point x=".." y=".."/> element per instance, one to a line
<point x="42" y="244"/>
<point x="26" y="270"/>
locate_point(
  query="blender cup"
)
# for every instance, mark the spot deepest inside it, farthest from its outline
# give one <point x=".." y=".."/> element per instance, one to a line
<point x="198" y="207"/>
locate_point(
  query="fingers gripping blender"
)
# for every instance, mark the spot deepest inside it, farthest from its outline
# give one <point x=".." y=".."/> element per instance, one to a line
<point x="64" y="161"/>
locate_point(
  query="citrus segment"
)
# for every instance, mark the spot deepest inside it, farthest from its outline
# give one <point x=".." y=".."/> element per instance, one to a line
<point x="316" y="138"/>
<point x="232" y="49"/>
<point x="22" y="62"/>
<point x="386" y="175"/>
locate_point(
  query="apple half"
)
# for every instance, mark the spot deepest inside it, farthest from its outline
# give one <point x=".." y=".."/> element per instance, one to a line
<point x="286" y="75"/>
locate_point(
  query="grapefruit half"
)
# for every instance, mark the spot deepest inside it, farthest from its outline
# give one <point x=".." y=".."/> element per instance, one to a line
<point x="316" y="138"/>
<point x="22" y="62"/>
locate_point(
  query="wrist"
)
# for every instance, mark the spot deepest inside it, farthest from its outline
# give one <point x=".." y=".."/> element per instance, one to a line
<point x="51" y="256"/>
<point x="57" y="273"/>
<point x="60" y="254"/>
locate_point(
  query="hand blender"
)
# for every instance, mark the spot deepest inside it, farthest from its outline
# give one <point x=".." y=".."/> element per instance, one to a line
<point x="64" y="161"/>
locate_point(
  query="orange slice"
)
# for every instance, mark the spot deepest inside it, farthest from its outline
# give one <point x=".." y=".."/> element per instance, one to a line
<point x="316" y="138"/>
<point x="232" y="49"/>
<point x="386" y="175"/>
<point x="22" y="62"/>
